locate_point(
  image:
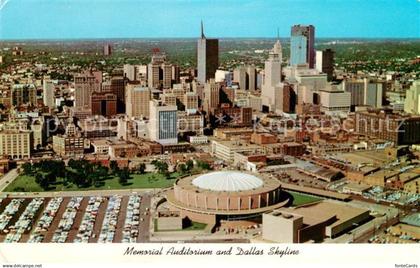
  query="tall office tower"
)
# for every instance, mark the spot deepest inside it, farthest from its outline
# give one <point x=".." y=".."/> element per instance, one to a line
<point x="412" y="99"/>
<point x="166" y="75"/>
<point x="175" y="74"/>
<point x="137" y="100"/>
<point x="163" y="123"/>
<point x="48" y="93"/>
<point x="251" y="77"/>
<point x="23" y="94"/>
<point x="191" y="102"/>
<point x="211" y="98"/>
<point x="107" y="50"/>
<point x="285" y="98"/>
<point x="272" y="70"/>
<point x="130" y="72"/>
<point x="325" y="62"/>
<point x="374" y="93"/>
<point x="117" y="87"/>
<point x="85" y="84"/>
<point x="356" y="87"/>
<point x="245" y="76"/>
<point x="159" y="73"/>
<point x="207" y="57"/>
<point x="302" y="43"/>
<point x="104" y="103"/>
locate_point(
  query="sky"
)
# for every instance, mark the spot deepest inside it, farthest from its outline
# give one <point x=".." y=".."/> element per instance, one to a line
<point x="74" y="19"/>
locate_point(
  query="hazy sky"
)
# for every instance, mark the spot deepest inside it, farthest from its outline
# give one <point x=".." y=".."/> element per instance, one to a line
<point x="39" y="19"/>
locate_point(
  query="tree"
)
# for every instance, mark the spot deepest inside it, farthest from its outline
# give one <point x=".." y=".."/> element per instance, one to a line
<point x="142" y="168"/>
<point x="27" y="168"/>
<point x="113" y="165"/>
<point x="123" y="176"/>
<point x="182" y="168"/>
<point x="42" y="181"/>
<point x="203" y="165"/>
<point x="162" y="167"/>
<point x="190" y="164"/>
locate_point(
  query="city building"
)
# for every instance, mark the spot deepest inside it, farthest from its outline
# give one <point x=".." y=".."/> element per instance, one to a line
<point x="272" y="78"/>
<point x="225" y="150"/>
<point x="190" y="102"/>
<point x="412" y="99"/>
<point x="107" y="50"/>
<point x="104" y="103"/>
<point x="356" y="87"/>
<point x="302" y="42"/>
<point x="246" y="77"/>
<point x="225" y="195"/>
<point x="334" y="99"/>
<point x="137" y="100"/>
<point x="374" y="94"/>
<point x="386" y="125"/>
<point x="159" y="72"/>
<point x="163" y="123"/>
<point x="23" y="94"/>
<point x="116" y="85"/>
<point x="84" y="85"/>
<point x="16" y="144"/>
<point x="312" y="222"/>
<point x="325" y="62"/>
<point x="207" y="57"/>
<point x="285" y="98"/>
<point x="48" y="93"/>
<point x="211" y="99"/>
<point x="224" y="76"/>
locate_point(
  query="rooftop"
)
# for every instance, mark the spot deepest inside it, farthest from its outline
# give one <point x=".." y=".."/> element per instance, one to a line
<point x="230" y="181"/>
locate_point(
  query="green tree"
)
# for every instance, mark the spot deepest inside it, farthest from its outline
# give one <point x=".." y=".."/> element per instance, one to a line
<point x="27" y="168"/>
<point x="142" y="168"/>
<point x="123" y="176"/>
<point x="113" y="165"/>
<point x="190" y="164"/>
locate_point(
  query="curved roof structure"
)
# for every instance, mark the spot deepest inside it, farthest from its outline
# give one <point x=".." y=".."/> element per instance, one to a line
<point x="230" y="181"/>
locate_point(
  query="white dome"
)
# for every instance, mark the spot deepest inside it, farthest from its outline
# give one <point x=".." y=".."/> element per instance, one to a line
<point x="230" y="181"/>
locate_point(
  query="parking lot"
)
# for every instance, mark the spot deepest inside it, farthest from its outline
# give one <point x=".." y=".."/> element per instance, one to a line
<point x="75" y="219"/>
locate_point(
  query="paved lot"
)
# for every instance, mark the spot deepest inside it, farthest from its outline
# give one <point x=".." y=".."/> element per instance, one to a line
<point x="98" y="224"/>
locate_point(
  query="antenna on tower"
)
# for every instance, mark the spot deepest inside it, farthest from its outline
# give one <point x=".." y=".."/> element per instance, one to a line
<point x="202" y="30"/>
<point x="278" y="33"/>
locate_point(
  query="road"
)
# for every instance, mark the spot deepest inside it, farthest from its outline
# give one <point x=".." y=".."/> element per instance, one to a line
<point x="144" y="226"/>
<point x="79" y="193"/>
<point x="8" y="178"/>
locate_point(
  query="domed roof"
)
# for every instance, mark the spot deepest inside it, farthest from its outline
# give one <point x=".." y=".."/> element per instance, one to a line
<point x="230" y="181"/>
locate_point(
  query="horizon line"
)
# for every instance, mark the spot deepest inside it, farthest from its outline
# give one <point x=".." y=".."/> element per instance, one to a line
<point x="159" y="38"/>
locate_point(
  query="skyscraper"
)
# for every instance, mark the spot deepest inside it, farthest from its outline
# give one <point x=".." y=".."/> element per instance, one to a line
<point x="246" y="77"/>
<point x="302" y="42"/>
<point x="211" y="96"/>
<point x="85" y="84"/>
<point x="272" y="70"/>
<point x="207" y="57"/>
<point x="107" y="49"/>
<point x="48" y="93"/>
<point x="412" y="100"/>
<point x="137" y="100"/>
<point x="159" y="72"/>
<point x="163" y="123"/>
<point x="325" y="62"/>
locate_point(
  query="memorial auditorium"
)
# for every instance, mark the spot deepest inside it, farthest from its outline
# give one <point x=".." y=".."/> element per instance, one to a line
<point x="226" y="195"/>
